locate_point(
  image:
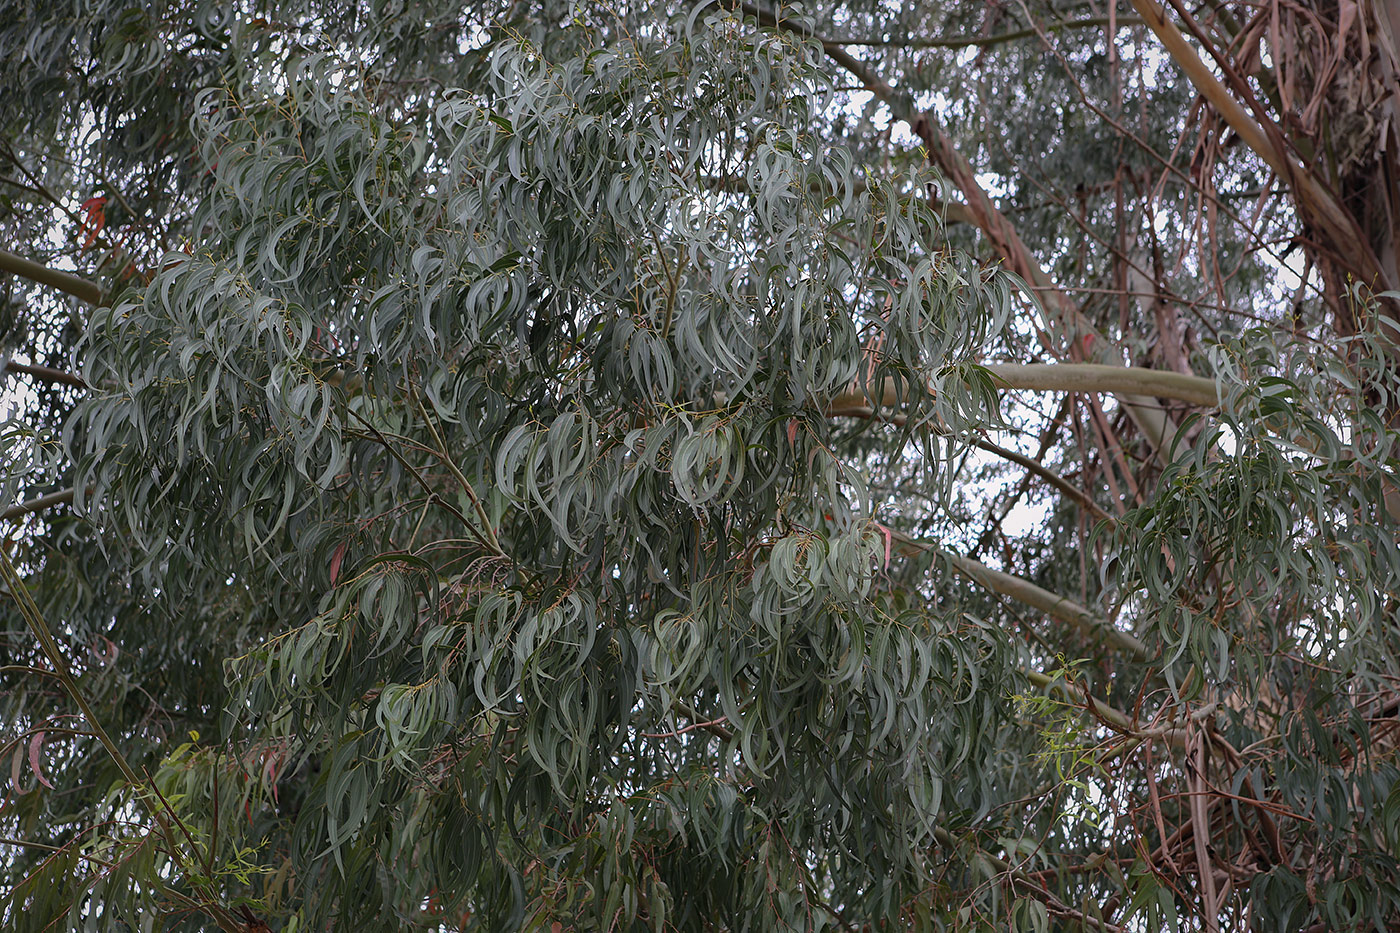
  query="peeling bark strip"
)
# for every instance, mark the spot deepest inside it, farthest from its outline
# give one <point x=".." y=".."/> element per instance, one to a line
<point x="1315" y="201"/>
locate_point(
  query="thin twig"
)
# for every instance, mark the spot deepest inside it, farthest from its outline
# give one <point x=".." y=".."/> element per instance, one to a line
<point x="377" y="435"/>
<point x="684" y="729"/>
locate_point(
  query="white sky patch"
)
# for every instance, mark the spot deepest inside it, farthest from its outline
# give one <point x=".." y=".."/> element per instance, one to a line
<point x="1228" y="441"/>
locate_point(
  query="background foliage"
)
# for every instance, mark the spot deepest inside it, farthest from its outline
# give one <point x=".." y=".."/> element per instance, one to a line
<point x="852" y="466"/>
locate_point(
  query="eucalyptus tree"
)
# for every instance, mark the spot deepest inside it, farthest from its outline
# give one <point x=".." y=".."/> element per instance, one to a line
<point x="699" y="467"/>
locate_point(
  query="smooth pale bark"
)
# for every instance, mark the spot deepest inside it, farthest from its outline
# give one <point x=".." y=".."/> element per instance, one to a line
<point x="65" y="282"/>
<point x="1052" y="604"/>
<point x="1064" y="377"/>
<point x="1116" y="380"/>
<point x="1026" y="592"/>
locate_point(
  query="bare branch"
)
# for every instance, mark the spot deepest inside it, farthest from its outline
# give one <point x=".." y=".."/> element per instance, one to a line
<point x="44" y="373"/>
<point x="14" y="512"/>
<point x="65" y="282"/>
<point x="1024" y="591"/>
<point x="1001" y="38"/>
<point x="1063" y="377"/>
<point x="1050" y="476"/>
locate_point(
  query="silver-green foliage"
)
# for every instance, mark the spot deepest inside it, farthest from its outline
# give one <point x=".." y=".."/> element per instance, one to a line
<point x="463" y="538"/>
<point x="543" y="378"/>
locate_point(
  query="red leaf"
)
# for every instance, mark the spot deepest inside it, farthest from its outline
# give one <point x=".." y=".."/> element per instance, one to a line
<point x="36" y="744"/>
<point x="272" y="762"/>
<point x="109" y="653"/>
<point x="96" y="218"/>
<point x="792" y="431"/>
<point x="336" y="558"/>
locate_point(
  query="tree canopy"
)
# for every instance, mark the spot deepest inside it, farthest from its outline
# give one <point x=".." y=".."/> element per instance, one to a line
<point x="699" y="466"/>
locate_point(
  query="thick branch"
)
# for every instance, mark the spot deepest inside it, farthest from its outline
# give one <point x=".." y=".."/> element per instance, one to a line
<point x="63" y="281"/>
<point x="1117" y="380"/>
<point x="1052" y="604"/>
<point x="1063" y="377"/>
<point x="62" y="497"/>
<point x="945" y="155"/>
<point x="45" y="373"/>
<point x="961" y="42"/>
<point x="1024" y="591"/>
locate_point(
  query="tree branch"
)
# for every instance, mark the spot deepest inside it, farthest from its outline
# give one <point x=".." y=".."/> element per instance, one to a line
<point x="1062" y="377"/>
<point x="962" y="42"/>
<point x="1024" y="591"/>
<point x="63" y="281"/>
<point x="1116" y="380"/>
<point x="62" y="497"/>
<point x="44" y="373"/>
<point x="56" y="658"/>
<point x="1029" y="884"/>
<point x="1156" y="427"/>
<point x="1050" y="476"/>
<point x="863" y="410"/>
